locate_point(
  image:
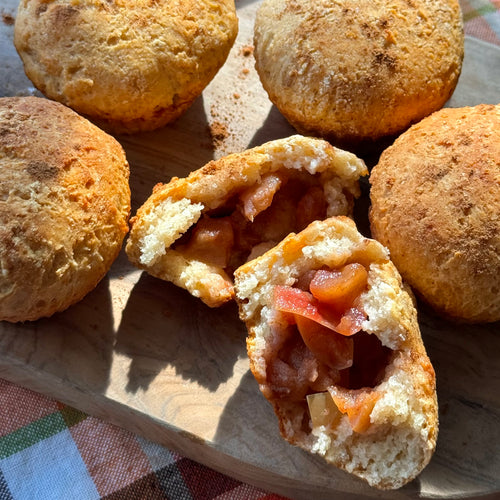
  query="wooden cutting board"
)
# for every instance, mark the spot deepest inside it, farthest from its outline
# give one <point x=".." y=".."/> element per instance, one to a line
<point x="147" y="356"/>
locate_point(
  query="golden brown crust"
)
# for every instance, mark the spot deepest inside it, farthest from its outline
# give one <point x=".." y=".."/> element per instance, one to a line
<point x="435" y="204"/>
<point x="130" y="66"/>
<point x="354" y="71"/>
<point x="404" y="421"/>
<point x="174" y="208"/>
<point x="64" y="206"/>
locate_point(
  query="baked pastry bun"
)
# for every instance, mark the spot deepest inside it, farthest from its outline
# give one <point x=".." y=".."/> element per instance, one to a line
<point x="356" y="71"/>
<point x="64" y="206"/>
<point x="197" y="230"/>
<point x="435" y="197"/>
<point x="334" y="344"/>
<point x="129" y="66"/>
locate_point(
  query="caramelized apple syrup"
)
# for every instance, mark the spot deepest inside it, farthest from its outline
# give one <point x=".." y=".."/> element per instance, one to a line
<point x="322" y="345"/>
<point x="255" y="219"/>
<point x="295" y="372"/>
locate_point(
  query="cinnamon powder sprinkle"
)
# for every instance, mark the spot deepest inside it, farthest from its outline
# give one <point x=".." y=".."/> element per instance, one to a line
<point x="247" y="50"/>
<point x="243" y="73"/>
<point x="8" y="19"/>
<point x="218" y="132"/>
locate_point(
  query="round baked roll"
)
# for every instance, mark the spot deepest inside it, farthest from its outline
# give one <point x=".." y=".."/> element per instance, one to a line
<point x="64" y="206"/>
<point x="355" y="71"/>
<point x="435" y="197"/>
<point x="197" y="230"/>
<point x="129" y="66"/>
<point x="334" y="344"/>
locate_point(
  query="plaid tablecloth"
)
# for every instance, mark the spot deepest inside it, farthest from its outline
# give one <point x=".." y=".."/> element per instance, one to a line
<point x="482" y="19"/>
<point x="51" y="451"/>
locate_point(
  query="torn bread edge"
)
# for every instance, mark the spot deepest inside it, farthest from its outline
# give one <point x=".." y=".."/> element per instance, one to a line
<point x="173" y="208"/>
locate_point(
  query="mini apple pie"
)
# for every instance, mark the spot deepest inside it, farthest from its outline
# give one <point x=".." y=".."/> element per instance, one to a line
<point x="334" y="344"/>
<point x="197" y="230"/>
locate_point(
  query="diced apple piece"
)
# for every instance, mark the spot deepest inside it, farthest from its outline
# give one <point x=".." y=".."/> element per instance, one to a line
<point x="301" y="303"/>
<point x="329" y="347"/>
<point x="358" y="406"/>
<point x="211" y="241"/>
<point x="351" y="321"/>
<point x="322" y="409"/>
<point x="258" y="197"/>
<point x="339" y="288"/>
<point x="288" y="299"/>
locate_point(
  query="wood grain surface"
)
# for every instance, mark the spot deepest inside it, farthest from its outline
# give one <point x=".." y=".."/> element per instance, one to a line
<point x="147" y="356"/>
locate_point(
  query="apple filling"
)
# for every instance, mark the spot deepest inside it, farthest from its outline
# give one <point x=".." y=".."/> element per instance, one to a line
<point x="323" y="355"/>
<point x="255" y="219"/>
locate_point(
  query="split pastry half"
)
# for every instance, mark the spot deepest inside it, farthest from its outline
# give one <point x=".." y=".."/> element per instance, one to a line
<point x="335" y="346"/>
<point x="197" y="230"/>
